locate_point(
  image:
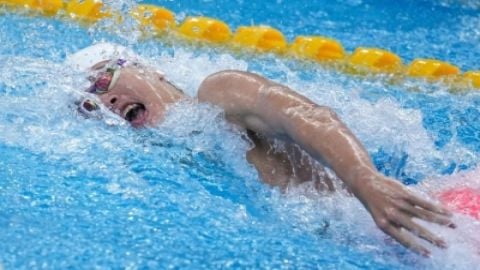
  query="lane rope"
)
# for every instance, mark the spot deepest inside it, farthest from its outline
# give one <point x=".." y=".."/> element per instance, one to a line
<point x="160" y="22"/>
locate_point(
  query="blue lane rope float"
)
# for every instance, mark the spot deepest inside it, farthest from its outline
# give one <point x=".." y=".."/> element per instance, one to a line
<point x="261" y="39"/>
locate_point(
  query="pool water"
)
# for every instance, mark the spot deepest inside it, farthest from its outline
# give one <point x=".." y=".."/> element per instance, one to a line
<point x="86" y="193"/>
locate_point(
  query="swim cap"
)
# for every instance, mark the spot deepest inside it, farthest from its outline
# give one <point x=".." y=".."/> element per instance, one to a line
<point x="463" y="200"/>
<point x="89" y="56"/>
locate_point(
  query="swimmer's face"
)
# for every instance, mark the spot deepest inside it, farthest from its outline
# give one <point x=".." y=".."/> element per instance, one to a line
<point x="140" y="96"/>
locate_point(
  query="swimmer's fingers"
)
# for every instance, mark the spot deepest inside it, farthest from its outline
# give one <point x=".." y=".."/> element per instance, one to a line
<point x="430" y="216"/>
<point x="424" y="214"/>
<point x="406" y="222"/>
<point x="406" y="240"/>
<point x="415" y="200"/>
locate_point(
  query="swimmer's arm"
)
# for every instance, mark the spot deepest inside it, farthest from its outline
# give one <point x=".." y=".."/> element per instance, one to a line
<point x="275" y="110"/>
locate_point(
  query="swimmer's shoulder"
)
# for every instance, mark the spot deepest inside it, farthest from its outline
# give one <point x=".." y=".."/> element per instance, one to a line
<point x="233" y="73"/>
<point x="227" y="81"/>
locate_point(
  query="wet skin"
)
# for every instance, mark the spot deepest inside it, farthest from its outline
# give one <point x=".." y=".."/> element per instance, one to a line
<point x="269" y="110"/>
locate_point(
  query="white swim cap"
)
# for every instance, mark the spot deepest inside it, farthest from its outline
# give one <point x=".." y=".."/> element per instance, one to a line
<point x="89" y="56"/>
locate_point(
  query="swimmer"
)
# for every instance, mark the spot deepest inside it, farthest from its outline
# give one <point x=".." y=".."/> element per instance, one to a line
<point x="267" y="110"/>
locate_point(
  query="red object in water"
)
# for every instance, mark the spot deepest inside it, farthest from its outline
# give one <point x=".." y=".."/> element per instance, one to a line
<point x="462" y="200"/>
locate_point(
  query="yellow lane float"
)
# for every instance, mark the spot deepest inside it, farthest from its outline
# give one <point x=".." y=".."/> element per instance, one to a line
<point x="472" y="78"/>
<point x="86" y="10"/>
<point x="431" y="69"/>
<point x="46" y="7"/>
<point x="160" y="19"/>
<point x="205" y="29"/>
<point x="260" y="38"/>
<point x="376" y="60"/>
<point x="317" y="48"/>
<point x="17" y="3"/>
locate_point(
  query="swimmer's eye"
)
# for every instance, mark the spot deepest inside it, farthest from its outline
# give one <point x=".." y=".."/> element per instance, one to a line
<point x="88" y="108"/>
<point x="89" y="105"/>
<point x="105" y="80"/>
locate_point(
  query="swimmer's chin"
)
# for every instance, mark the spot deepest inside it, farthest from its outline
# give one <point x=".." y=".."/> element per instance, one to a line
<point x="148" y="120"/>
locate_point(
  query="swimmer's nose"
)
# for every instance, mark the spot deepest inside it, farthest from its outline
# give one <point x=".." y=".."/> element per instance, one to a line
<point x="113" y="100"/>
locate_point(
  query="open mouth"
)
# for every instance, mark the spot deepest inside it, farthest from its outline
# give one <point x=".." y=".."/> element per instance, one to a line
<point x="136" y="114"/>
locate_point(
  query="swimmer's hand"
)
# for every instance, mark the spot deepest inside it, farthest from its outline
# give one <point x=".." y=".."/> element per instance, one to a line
<point x="393" y="207"/>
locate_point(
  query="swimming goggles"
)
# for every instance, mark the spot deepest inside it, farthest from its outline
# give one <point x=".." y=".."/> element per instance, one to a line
<point x="88" y="108"/>
<point x="101" y="84"/>
<point x="105" y="80"/>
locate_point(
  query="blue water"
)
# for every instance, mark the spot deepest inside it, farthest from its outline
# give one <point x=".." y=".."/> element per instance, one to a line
<point x="83" y="193"/>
